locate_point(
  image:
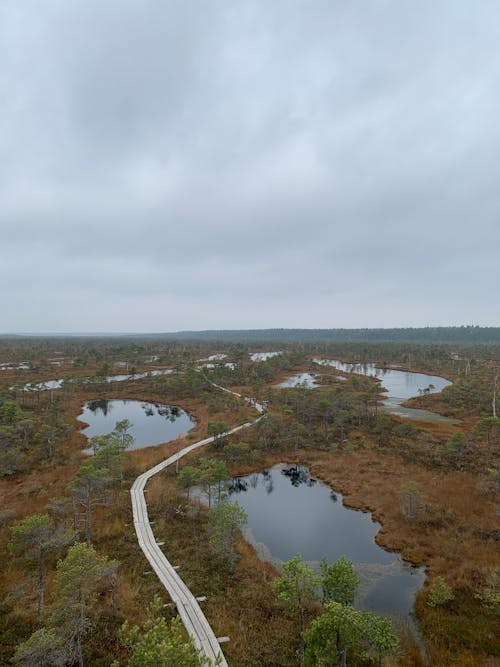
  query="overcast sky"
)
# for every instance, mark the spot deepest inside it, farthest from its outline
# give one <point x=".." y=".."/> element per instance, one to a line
<point x="198" y="164"/>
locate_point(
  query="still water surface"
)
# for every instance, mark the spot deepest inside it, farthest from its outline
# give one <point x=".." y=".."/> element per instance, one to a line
<point x="263" y="356"/>
<point x="290" y="512"/>
<point x="400" y="386"/>
<point x="306" y="380"/>
<point x="152" y="423"/>
<point x="57" y="384"/>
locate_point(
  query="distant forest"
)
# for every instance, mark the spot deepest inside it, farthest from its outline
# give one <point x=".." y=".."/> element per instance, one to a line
<point x="462" y="335"/>
<point x="458" y="335"/>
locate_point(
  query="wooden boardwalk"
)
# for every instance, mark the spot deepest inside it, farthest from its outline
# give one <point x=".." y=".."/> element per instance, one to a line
<point x="187" y="605"/>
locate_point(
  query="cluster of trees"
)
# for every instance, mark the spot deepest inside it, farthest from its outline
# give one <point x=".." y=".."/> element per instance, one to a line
<point x="340" y="632"/>
<point x="189" y="384"/>
<point x="210" y="475"/>
<point x="475" y="393"/>
<point x="95" y="477"/>
<point x="225" y="519"/>
<point x="16" y="430"/>
<point x="476" y="450"/>
<point x="218" y="430"/>
<point x="80" y="577"/>
<point x="306" y="418"/>
<point x="159" y="643"/>
<point x="26" y="437"/>
<point x="34" y="539"/>
<point x="83" y="574"/>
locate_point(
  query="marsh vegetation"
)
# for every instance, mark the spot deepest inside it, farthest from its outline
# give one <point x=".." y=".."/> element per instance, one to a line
<point x="431" y="485"/>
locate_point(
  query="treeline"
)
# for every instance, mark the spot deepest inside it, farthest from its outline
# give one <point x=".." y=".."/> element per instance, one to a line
<point x="461" y="334"/>
<point x="465" y="334"/>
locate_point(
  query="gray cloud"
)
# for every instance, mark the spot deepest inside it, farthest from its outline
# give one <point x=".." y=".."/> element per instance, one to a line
<point x="197" y="164"/>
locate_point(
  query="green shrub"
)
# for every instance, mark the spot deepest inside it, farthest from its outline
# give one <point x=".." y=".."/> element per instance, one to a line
<point x="439" y="593"/>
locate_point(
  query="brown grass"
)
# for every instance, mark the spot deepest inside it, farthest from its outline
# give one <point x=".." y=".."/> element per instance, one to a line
<point x="242" y="605"/>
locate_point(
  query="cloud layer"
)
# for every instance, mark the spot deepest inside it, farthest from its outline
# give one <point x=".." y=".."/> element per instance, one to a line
<point x="199" y="164"/>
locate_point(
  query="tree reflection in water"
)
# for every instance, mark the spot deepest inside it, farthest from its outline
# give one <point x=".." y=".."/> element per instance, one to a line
<point x="298" y="475"/>
<point x="237" y="485"/>
<point x="170" y="412"/>
<point x="99" y="405"/>
<point x="291" y="512"/>
<point x="153" y="423"/>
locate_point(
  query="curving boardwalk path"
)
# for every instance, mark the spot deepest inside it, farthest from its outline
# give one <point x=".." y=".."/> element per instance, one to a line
<point x="187" y="605"/>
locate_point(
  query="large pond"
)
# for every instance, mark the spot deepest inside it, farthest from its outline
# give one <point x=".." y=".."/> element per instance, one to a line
<point x="152" y="423"/>
<point x="400" y="386"/>
<point x="290" y="512"/>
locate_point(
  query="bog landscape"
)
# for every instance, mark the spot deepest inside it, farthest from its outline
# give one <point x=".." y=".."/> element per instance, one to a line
<point x="311" y="497"/>
<point x="249" y="333"/>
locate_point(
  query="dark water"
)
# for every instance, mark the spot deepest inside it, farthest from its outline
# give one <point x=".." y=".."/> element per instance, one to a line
<point x="289" y="512"/>
<point x="152" y="423"/>
<point x="400" y="385"/>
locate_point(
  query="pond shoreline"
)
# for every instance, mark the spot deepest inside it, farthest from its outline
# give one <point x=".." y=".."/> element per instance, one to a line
<point x="397" y="388"/>
<point x="301" y="459"/>
<point x="151" y="423"/>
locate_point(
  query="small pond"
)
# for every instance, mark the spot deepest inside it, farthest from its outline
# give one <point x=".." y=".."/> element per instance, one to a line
<point x="136" y="376"/>
<point x="152" y="423"/>
<point x="24" y="366"/>
<point x="290" y="512"/>
<point x="400" y="385"/>
<point x="228" y="364"/>
<point x="263" y="356"/>
<point x="306" y="380"/>
<point x="215" y="357"/>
